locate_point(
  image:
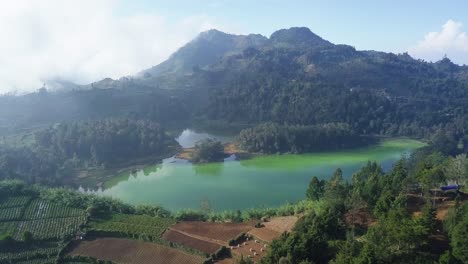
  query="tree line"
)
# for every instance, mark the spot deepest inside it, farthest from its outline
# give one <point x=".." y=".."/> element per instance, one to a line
<point x="274" y="138"/>
<point x="58" y="150"/>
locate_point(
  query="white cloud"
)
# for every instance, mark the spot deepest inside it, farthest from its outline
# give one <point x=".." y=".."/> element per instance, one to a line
<point x="450" y="41"/>
<point x="83" y="41"/>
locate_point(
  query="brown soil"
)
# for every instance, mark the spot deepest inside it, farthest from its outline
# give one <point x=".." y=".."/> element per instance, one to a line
<point x="185" y="154"/>
<point x="274" y="227"/>
<point x="443" y="203"/>
<point x="265" y="234"/>
<point x="245" y="250"/>
<point x="131" y="251"/>
<point x="191" y="242"/>
<point x="281" y="224"/>
<point x="219" y="233"/>
<point x="229" y="149"/>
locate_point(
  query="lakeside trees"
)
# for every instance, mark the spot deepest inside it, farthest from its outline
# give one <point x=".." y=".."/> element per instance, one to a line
<point x="275" y="138"/>
<point x="59" y="150"/>
<point x="208" y="151"/>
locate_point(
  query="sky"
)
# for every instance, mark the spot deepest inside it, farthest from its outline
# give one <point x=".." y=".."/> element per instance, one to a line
<point x="87" y="40"/>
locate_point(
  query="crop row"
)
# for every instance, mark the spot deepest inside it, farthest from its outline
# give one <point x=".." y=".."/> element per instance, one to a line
<point x="50" y="228"/>
<point x="134" y="224"/>
<point x="8" y="227"/>
<point x="10" y="213"/>
<point x="29" y="254"/>
<point x="14" y="201"/>
<point x="41" y="209"/>
<point x="37" y="261"/>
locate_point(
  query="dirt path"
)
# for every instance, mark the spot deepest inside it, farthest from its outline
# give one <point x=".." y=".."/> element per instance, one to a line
<point x="206" y="239"/>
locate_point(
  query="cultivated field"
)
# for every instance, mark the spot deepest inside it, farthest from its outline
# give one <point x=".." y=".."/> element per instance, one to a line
<point x="218" y="232"/>
<point x="133" y="224"/>
<point x="274" y="228"/>
<point x="251" y="249"/>
<point x="124" y="251"/>
<point x="191" y="242"/>
<point x="45" y="220"/>
<point x="45" y="252"/>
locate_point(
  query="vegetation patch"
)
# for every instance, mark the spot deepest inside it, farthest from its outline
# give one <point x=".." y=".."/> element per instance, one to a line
<point x="133" y="225"/>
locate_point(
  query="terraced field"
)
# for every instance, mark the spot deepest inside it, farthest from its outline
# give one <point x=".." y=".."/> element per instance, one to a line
<point x="190" y="242"/>
<point x="123" y="251"/>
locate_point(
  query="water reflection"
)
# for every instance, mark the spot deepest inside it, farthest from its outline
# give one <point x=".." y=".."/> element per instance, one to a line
<point x="209" y="169"/>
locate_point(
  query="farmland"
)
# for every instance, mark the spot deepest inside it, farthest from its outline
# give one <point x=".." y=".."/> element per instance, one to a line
<point x="217" y="232"/>
<point x="133" y="251"/>
<point x="133" y="225"/>
<point x="36" y="253"/>
<point x="45" y="220"/>
<point x="191" y="242"/>
<point x="274" y="227"/>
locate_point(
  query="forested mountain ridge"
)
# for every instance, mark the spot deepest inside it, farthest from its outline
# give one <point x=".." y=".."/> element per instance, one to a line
<point x="294" y="77"/>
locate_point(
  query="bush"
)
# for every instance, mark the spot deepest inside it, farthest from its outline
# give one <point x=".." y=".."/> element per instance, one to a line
<point x="208" y="151"/>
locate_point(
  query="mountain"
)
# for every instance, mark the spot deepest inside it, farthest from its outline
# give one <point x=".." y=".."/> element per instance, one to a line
<point x="292" y="77"/>
<point x="298" y="36"/>
<point x="204" y="50"/>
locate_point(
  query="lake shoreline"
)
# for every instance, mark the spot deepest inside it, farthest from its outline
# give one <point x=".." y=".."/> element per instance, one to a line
<point x="261" y="181"/>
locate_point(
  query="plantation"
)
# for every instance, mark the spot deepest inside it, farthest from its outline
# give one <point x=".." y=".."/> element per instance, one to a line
<point x="131" y="225"/>
<point x="14" y="201"/>
<point x="53" y="228"/>
<point x="45" y="220"/>
<point x="41" y="209"/>
<point x="36" y="253"/>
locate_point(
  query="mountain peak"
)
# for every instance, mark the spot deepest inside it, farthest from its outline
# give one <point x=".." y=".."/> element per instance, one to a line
<point x="298" y="36"/>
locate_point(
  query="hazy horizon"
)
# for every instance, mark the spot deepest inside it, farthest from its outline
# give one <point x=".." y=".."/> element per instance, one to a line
<point x="86" y="41"/>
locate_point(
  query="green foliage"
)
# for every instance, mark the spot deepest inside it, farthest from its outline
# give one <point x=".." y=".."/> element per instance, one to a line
<point x="367" y="183"/>
<point x="208" y="151"/>
<point x="457" y="227"/>
<point x="274" y="138"/>
<point x="316" y="189"/>
<point x="59" y="150"/>
<point x="457" y="169"/>
<point x="133" y="225"/>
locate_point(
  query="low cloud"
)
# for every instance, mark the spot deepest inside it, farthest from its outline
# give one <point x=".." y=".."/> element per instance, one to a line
<point x="83" y="41"/>
<point x="451" y="41"/>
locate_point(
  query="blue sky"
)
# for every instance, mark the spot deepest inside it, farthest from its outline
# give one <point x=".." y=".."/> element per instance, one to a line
<point x="382" y="25"/>
<point x="87" y="40"/>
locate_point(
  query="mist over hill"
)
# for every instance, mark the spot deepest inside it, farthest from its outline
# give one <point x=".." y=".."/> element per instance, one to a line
<point x="292" y="77"/>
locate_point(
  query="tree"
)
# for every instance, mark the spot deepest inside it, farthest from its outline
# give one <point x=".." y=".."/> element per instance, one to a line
<point x="316" y="189"/>
<point x="457" y="169"/>
<point x="208" y="151"/>
<point x="459" y="240"/>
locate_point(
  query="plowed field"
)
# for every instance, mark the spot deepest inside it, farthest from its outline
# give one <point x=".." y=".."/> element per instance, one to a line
<point x="124" y="251"/>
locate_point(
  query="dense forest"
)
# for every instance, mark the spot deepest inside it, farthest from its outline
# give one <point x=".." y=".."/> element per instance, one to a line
<point x="56" y="152"/>
<point x="274" y="138"/>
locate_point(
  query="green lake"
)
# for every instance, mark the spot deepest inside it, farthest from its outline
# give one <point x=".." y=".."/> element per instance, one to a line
<point x="263" y="181"/>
